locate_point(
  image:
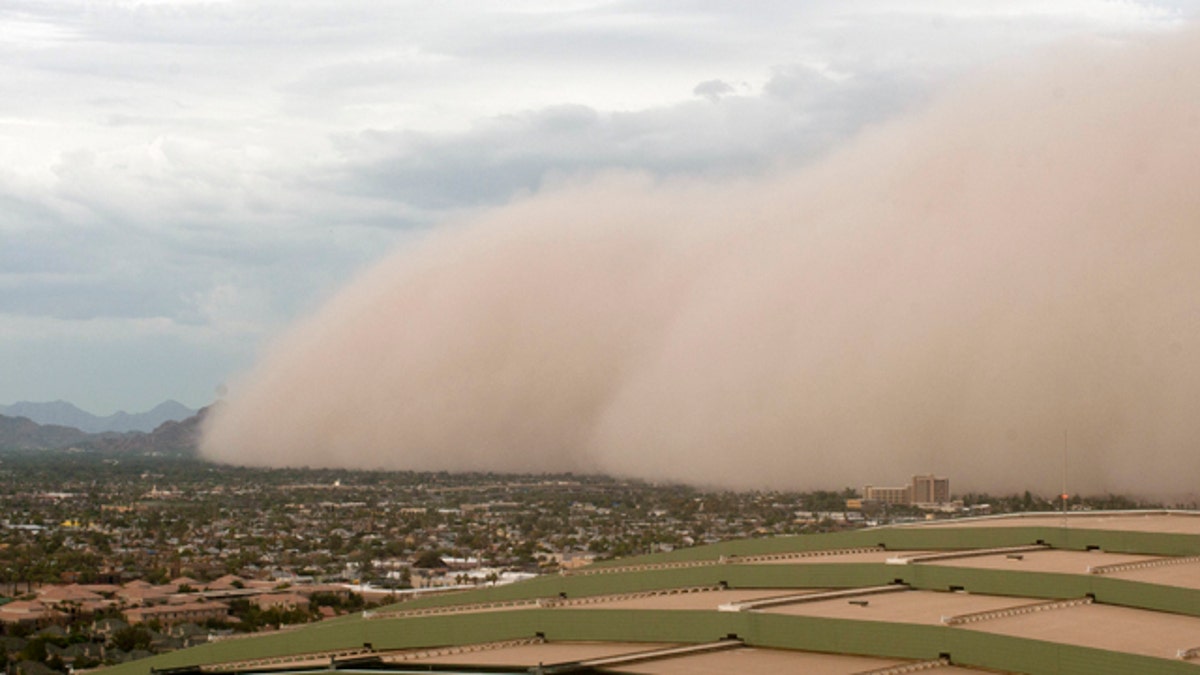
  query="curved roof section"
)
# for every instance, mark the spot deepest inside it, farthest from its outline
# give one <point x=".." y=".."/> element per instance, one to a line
<point x="1094" y="593"/>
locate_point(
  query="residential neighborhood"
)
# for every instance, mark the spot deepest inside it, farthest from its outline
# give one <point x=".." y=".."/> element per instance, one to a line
<point x="106" y="557"/>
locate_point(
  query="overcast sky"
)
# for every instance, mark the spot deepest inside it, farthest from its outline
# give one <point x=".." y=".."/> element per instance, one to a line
<point x="180" y="180"/>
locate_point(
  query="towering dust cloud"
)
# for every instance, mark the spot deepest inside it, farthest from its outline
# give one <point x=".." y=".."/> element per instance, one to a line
<point x="953" y="292"/>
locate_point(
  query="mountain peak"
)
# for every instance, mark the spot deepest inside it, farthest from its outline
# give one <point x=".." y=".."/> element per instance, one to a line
<point x="67" y="414"/>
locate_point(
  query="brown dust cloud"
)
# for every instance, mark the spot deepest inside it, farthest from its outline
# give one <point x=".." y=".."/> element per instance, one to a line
<point x="1001" y="281"/>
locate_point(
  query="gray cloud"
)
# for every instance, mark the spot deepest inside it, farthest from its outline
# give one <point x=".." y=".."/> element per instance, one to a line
<point x="713" y="90"/>
<point x="515" y="154"/>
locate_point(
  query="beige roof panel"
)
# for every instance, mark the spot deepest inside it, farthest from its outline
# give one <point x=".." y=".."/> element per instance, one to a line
<point x="923" y="607"/>
<point x="751" y="660"/>
<point x="1184" y="574"/>
<point x="546" y="653"/>
<point x="1050" y="560"/>
<point x="878" y="556"/>
<point x="1160" y="522"/>
<point x="1122" y="629"/>
<point x="701" y="600"/>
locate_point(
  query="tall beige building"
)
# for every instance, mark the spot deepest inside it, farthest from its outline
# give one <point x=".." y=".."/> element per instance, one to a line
<point x="930" y="489"/>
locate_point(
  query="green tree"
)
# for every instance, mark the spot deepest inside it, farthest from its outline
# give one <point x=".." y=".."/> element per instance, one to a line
<point x="34" y="650"/>
<point x="429" y="560"/>
<point x="131" y="637"/>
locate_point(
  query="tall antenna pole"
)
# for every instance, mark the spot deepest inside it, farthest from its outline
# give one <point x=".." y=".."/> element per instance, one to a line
<point x="1064" y="494"/>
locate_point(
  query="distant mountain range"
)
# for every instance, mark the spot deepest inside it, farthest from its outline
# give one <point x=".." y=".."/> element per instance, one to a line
<point x="172" y="437"/>
<point x="64" y="414"/>
<point x="22" y="433"/>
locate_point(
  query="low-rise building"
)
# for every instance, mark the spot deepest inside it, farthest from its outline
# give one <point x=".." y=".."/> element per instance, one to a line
<point x="196" y="612"/>
<point x="281" y="601"/>
<point x="29" y="612"/>
<point x="570" y="560"/>
<point x="888" y="495"/>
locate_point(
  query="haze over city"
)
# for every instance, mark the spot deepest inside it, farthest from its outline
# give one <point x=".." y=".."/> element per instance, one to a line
<point x="958" y="289"/>
<point x="779" y="249"/>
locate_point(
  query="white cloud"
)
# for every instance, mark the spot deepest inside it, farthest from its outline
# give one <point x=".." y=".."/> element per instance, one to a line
<point x="19" y="31"/>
